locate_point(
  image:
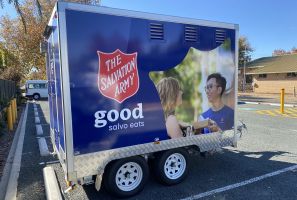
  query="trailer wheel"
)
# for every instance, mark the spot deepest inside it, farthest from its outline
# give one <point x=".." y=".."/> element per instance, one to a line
<point x="171" y="167"/>
<point x="126" y="177"/>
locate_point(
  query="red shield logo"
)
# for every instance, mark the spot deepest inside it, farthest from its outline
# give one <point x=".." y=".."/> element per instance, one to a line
<point x="118" y="75"/>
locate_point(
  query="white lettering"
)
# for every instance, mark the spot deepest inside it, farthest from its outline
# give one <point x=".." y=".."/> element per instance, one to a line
<point x="124" y="85"/>
<point x="107" y="64"/>
<point x="99" y="121"/>
<point x="123" y="72"/>
<point x="116" y="115"/>
<point x="118" y="126"/>
<point x="103" y="83"/>
<point x="128" y="114"/>
<point x="119" y="60"/>
<point x="101" y="118"/>
<point x="139" y="109"/>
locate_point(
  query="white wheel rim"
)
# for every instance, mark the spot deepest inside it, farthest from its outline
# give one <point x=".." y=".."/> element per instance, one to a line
<point x="129" y="176"/>
<point x="175" y="166"/>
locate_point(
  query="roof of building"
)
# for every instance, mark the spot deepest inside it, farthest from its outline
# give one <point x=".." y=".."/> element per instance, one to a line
<point x="274" y="64"/>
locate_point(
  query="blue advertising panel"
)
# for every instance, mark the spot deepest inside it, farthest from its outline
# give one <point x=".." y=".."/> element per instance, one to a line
<point x="54" y="85"/>
<point x="49" y="60"/>
<point x="114" y="102"/>
<point x="52" y="91"/>
<point x="58" y="82"/>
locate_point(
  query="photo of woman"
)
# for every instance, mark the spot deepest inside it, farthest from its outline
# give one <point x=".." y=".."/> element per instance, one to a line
<point x="171" y="97"/>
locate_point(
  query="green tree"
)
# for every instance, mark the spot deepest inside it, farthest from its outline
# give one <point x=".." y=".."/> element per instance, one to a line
<point x="17" y="6"/>
<point x="245" y="51"/>
<point x="20" y="46"/>
<point x="38" y="7"/>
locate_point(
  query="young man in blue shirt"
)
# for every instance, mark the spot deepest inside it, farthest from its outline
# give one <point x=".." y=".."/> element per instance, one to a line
<point x="221" y="115"/>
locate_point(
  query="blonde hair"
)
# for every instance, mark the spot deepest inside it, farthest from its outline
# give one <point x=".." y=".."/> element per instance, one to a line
<point x="168" y="89"/>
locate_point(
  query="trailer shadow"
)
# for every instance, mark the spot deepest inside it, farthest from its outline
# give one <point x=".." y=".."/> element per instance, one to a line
<point x="209" y="173"/>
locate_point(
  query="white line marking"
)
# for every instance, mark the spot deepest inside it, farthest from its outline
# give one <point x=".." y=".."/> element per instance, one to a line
<point x="44" y="124"/>
<point x="37" y="120"/>
<point x="43" y="136"/>
<point x="236" y="185"/>
<point x="49" y="162"/>
<point x="39" y="130"/>
<point x="249" y="102"/>
<point x="271" y="104"/>
<point x="36" y="114"/>
<point x="43" y="149"/>
<point x="274" y="104"/>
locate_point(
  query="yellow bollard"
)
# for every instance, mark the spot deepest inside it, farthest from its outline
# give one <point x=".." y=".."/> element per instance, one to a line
<point x="9" y="119"/>
<point x="282" y="100"/>
<point x="12" y="111"/>
<point x="16" y="108"/>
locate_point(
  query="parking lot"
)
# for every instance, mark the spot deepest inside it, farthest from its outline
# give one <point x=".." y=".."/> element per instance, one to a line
<point x="262" y="166"/>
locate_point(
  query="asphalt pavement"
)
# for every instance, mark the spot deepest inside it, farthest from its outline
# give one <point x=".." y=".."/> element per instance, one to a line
<point x="30" y="183"/>
<point x="260" y="167"/>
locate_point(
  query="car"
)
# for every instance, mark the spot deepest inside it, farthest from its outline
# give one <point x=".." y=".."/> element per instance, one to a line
<point x="36" y="89"/>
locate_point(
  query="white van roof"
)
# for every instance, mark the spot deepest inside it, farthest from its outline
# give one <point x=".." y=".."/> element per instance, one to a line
<point x="36" y="81"/>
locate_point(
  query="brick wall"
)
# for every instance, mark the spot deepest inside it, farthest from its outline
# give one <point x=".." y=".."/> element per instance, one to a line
<point x="274" y="82"/>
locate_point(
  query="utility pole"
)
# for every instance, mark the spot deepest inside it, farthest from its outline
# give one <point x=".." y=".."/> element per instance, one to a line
<point x="244" y="63"/>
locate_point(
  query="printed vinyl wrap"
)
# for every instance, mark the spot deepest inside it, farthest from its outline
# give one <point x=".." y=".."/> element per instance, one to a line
<point x="119" y="106"/>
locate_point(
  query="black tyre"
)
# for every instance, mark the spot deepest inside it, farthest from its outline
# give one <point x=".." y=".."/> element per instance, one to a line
<point x="126" y="177"/>
<point x="171" y="167"/>
<point x="36" y="96"/>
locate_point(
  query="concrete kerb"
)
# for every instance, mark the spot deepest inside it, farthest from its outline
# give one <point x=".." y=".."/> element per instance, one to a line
<point x="8" y="185"/>
<point x="52" y="189"/>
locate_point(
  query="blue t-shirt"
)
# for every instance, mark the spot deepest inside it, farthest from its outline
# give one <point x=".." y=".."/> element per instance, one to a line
<point x="224" y="118"/>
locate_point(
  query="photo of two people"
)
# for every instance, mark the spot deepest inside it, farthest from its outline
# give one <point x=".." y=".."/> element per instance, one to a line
<point x="198" y="92"/>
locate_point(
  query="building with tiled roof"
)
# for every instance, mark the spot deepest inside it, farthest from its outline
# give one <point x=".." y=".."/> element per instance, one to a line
<point x="271" y="74"/>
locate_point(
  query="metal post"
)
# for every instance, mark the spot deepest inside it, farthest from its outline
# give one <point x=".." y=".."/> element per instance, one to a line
<point x="16" y="108"/>
<point x="282" y="100"/>
<point x="244" y="63"/>
<point x="9" y="118"/>
<point x="294" y="91"/>
<point x="12" y="111"/>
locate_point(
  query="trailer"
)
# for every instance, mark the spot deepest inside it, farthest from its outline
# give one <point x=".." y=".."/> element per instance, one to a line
<point x="106" y="118"/>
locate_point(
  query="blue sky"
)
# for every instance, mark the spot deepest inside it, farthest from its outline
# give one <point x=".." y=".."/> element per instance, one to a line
<point x="268" y="24"/>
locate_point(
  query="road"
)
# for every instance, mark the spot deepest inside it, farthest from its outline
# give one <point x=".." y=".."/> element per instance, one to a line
<point x="256" y="169"/>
